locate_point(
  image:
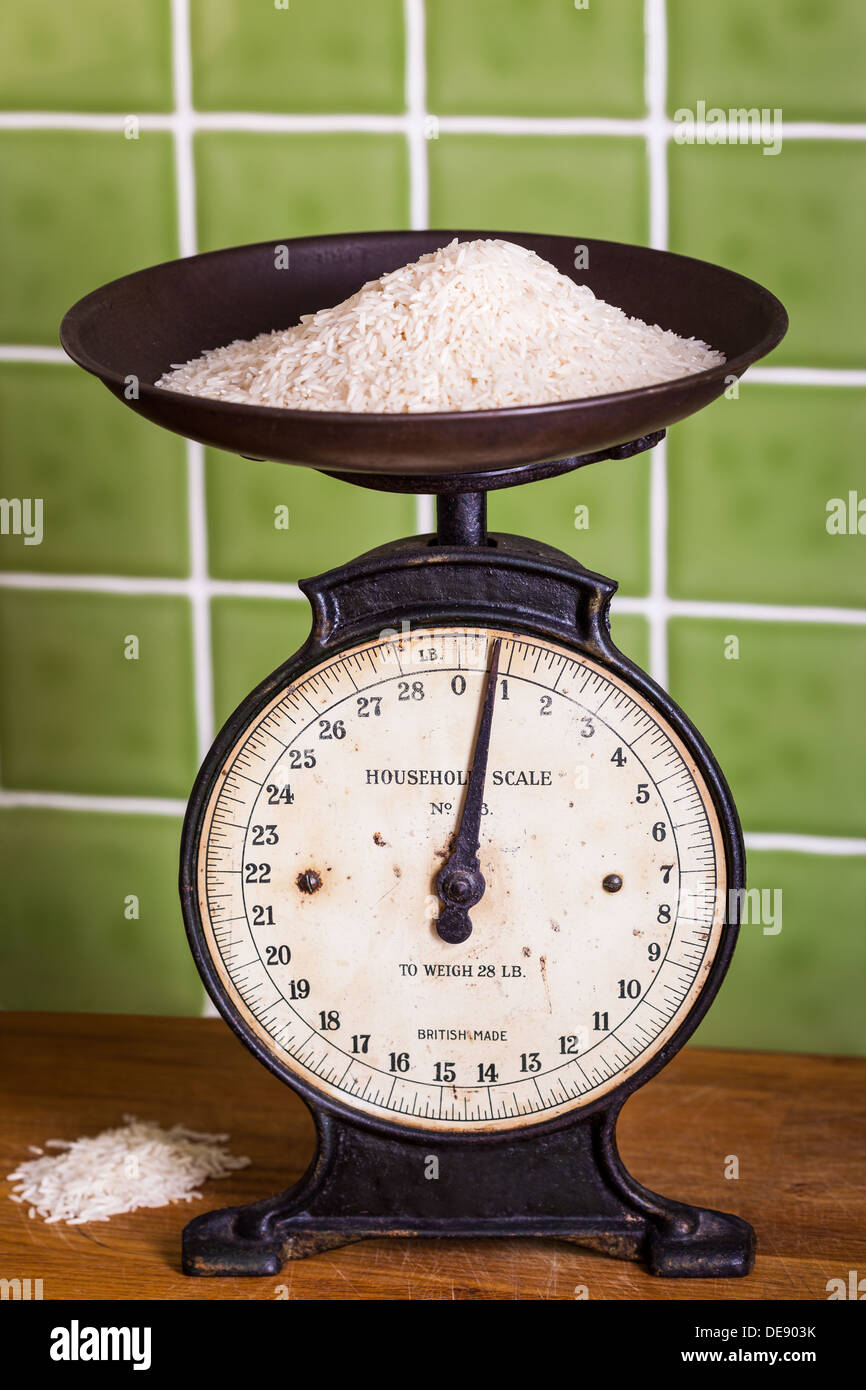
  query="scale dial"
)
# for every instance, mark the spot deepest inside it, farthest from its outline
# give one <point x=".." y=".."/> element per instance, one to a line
<point x="328" y="819"/>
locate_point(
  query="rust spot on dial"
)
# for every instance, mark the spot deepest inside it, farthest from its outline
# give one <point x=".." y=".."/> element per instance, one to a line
<point x="309" y="881"/>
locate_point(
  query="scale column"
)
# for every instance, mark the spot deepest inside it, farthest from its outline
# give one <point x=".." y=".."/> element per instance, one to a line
<point x="461" y="518"/>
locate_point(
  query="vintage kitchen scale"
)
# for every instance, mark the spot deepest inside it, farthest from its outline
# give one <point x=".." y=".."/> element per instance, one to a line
<point x="464" y="978"/>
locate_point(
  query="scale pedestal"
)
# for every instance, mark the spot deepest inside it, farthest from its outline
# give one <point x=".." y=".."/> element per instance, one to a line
<point x="566" y="1184"/>
<point x="570" y="1185"/>
<point x="447" y="1157"/>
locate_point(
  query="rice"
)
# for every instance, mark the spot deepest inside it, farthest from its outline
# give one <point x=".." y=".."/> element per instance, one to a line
<point x="476" y="325"/>
<point x="136" y="1165"/>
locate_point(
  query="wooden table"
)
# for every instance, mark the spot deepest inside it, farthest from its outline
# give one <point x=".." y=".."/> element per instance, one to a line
<point x="795" y="1124"/>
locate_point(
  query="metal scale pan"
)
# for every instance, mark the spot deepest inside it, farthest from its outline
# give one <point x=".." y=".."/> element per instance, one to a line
<point x="140" y="325"/>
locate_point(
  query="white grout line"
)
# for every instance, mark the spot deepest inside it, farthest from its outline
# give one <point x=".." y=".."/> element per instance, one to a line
<point x="108" y="805"/>
<point x="182" y="125"/>
<point x="135" y="586"/>
<point x="414" y="17"/>
<point x="805" y="844"/>
<point x="200" y="593"/>
<point x="275" y="124"/>
<point x="185" y="183"/>
<point x="740" y="612"/>
<point x="166" y="806"/>
<point x="74" y="120"/>
<point x="241" y="588"/>
<point x="301" y="123"/>
<point x="196" y="505"/>
<point x="416" y="112"/>
<point x="643" y="607"/>
<point x="788" y="130"/>
<point x="805" y="376"/>
<point x="11" y="353"/>
<point x="542" y="125"/>
<point x="768" y="376"/>
<point x="94" y="583"/>
<point x="655" y="91"/>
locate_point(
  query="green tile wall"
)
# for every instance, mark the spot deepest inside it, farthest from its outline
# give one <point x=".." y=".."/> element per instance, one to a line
<point x="605" y="527"/>
<point x="95" y="56"/>
<point x="269" y="521"/>
<point x="299" y="126"/>
<point x="785" y="717"/>
<point x="793" y="220"/>
<point x="310" y="55"/>
<point x="780" y="990"/>
<point x="534" y="183"/>
<point x="77" y="700"/>
<point x="764" y="531"/>
<point x="80" y="207"/>
<point x="253" y="187"/>
<point x="807" y="59"/>
<point x="251" y="638"/>
<point x="495" y="57"/>
<point x="102" y="890"/>
<point x="114" y="495"/>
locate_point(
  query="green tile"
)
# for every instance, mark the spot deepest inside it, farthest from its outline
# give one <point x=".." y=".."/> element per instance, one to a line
<point x="255" y="186"/>
<point x="75" y="714"/>
<point x="67" y="942"/>
<point x="749" y="482"/>
<point x="250" y="639"/>
<point x="800" y="990"/>
<point x="311" y="55"/>
<point x="613" y="536"/>
<point x="793" y="222"/>
<point x="586" y="186"/>
<point x="631" y="635"/>
<point x="550" y="58"/>
<point x="329" y="522"/>
<point x="796" y="56"/>
<point x="79" y="208"/>
<point x="113" y="490"/>
<point x="785" y="719"/>
<point x="95" y="55"/>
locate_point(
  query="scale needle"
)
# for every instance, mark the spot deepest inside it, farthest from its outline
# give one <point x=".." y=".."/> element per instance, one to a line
<point x="460" y="882"/>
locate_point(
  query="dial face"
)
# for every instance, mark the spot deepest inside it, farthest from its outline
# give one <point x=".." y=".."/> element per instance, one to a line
<point x="601" y="854"/>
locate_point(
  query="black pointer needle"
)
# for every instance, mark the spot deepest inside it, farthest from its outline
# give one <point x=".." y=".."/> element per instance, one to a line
<point x="460" y="882"/>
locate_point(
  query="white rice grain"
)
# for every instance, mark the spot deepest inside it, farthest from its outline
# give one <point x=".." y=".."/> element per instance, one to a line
<point x="136" y="1165"/>
<point x="476" y="325"/>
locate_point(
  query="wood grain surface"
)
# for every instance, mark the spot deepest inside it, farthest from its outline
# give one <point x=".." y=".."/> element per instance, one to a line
<point x="795" y="1124"/>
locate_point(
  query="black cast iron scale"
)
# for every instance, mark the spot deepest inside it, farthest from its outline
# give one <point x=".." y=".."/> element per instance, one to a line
<point x="458" y="871"/>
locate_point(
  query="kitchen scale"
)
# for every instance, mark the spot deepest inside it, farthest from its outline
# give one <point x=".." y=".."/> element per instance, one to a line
<point x="464" y="976"/>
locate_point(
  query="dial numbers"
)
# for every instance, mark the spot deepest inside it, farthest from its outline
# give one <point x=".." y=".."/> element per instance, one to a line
<point x="333" y="815"/>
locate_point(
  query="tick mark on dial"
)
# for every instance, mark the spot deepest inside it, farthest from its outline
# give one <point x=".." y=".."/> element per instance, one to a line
<point x="611" y="883"/>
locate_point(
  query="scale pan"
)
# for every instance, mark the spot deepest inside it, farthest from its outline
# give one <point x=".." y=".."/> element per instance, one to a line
<point x="138" y="326"/>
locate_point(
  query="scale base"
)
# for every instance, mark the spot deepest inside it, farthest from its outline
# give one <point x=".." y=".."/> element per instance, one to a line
<point x="567" y="1185"/>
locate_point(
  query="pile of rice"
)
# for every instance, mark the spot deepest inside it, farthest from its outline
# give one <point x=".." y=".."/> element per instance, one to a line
<point x="477" y="325"/>
<point x="136" y="1165"/>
